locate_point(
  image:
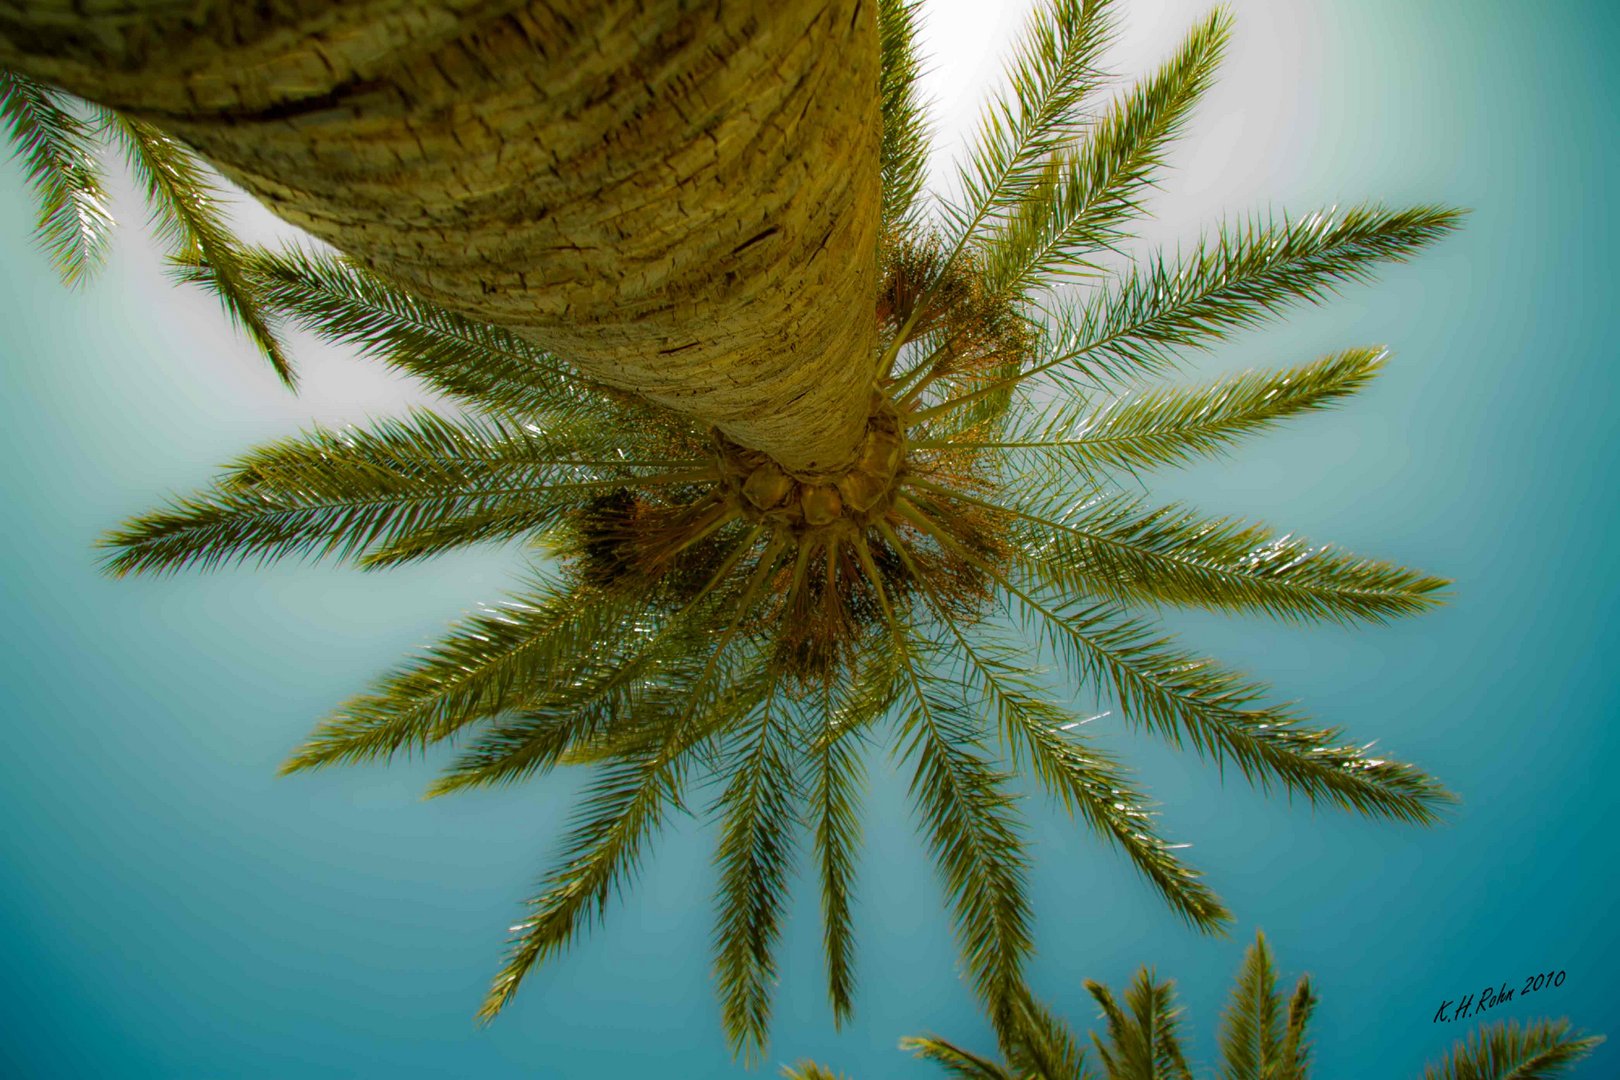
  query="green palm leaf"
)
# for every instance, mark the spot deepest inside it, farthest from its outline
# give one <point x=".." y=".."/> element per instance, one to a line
<point x="1187" y="697"/>
<point x="977" y="841"/>
<point x="1080" y="777"/>
<point x="1144" y="1043"/>
<point x="1252" y="1035"/>
<point x="1170" y="425"/>
<point x="836" y="779"/>
<point x="1046" y="1047"/>
<point x="480" y="366"/>
<point x="568" y="721"/>
<point x="759" y="810"/>
<point x="1295" y="1058"/>
<point x="967" y="817"/>
<point x="904" y="155"/>
<point x="621" y="811"/>
<point x="809" y="1070"/>
<point x="1053" y="66"/>
<point x="1123" y="550"/>
<point x="495" y="662"/>
<point x="185" y="212"/>
<point x="628" y="800"/>
<point x="60" y="160"/>
<point x="955" y="1060"/>
<point x="1540" y="1050"/>
<point x="402" y="489"/>
<point x="1245" y="275"/>
<point x="1086" y="194"/>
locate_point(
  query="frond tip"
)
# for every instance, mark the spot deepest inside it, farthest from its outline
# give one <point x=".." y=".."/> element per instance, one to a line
<point x="60" y="158"/>
<point x="185" y="206"/>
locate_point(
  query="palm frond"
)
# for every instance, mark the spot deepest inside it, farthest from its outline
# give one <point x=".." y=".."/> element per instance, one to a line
<point x="904" y="153"/>
<point x="1085" y="196"/>
<point x="621" y="810"/>
<point x="583" y="707"/>
<point x="1186" y="697"/>
<point x="1540" y="1050"/>
<point x="1144" y="1043"/>
<point x="1295" y="1058"/>
<point x="1154" y="1007"/>
<point x="60" y="159"/>
<point x="485" y="367"/>
<point x="1045" y="1046"/>
<point x="1170" y="425"/>
<point x="1121" y="549"/>
<point x="678" y="652"/>
<point x="809" y="1070"/>
<point x="977" y="841"/>
<point x="401" y="489"/>
<point x="758" y="811"/>
<point x="956" y="1061"/>
<point x="1114" y="1051"/>
<point x="1183" y="696"/>
<point x="624" y="806"/>
<point x="185" y="206"/>
<point x="494" y="662"/>
<point x="1246" y="274"/>
<point x="1083" y="779"/>
<point x="972" y="831"/>
<point x="1039" y="1047"/>
<point x="1053" y="66"/>
<point x="836" y="778"/>
<point x="1252" y="1031"/>
<point x="547" y="658"/>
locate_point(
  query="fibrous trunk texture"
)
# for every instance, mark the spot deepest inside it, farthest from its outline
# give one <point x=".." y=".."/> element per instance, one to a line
<point x="681" y="199"/>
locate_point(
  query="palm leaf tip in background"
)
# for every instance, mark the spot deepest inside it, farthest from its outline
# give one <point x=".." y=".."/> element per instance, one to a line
<point x="709" y="621"/>
<point x="1539" y="1050"/>
<point x="809" y="1070"/>
<point x="1262" y="1038"/>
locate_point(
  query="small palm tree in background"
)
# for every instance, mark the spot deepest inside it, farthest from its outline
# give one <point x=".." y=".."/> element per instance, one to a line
<point x="1262" y="1038"/>
<point x="697" y="609"/>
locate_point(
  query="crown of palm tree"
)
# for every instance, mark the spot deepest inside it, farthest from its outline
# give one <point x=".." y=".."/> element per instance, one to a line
<point x="700" y="611"/>
<point x="1262" y="1038"/>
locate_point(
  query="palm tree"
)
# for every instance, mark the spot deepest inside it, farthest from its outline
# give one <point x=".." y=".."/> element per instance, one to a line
<point x="1262" y="1038"/>
<point x="743" y="577"/>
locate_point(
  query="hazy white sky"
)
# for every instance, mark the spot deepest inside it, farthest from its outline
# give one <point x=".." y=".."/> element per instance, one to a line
<point x="1232" y="155"/>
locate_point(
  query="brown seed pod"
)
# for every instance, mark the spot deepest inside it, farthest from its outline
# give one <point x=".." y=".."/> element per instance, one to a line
<point x="881" y="453"/>
<point x="767" y="486"/>
<point x="821" y="503"/>
<point x="862" y="490"/>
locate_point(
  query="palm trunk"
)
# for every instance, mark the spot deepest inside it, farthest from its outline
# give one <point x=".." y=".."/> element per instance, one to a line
<point x="682" y="200"/>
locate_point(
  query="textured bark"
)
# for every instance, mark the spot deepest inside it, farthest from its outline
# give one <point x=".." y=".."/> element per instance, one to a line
<point x="682" y="200"/>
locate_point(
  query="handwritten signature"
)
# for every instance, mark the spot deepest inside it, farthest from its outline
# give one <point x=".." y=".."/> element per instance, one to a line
<point x="1490" y="997"/>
